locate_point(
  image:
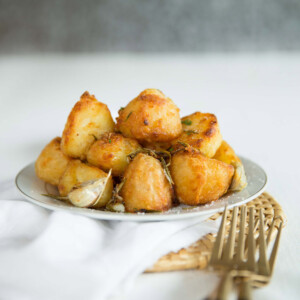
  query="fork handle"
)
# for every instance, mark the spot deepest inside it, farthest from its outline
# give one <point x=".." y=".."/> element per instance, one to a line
<point x="245" y="290"/>
<point x="225" y="286"/>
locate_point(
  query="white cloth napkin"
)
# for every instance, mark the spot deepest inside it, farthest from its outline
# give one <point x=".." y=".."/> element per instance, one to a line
<point x="57" y="255"/>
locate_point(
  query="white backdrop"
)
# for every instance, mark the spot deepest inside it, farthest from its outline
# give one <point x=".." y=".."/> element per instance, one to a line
<point x="256" y="99"/>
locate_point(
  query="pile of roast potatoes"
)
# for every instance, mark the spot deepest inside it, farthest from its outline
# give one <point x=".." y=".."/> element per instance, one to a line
<point x="202" y="166"/>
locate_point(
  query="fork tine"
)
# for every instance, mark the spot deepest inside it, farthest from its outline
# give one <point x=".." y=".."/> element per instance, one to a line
<point x="256" y="225"/>
<point x="251" y="242"/>
<point x="241" y="237"/>
<point x="218" y="245"/>
<point x="275" y="249"/>
<point x="263" y="264"/>
<point x="271" y="229"/>
<point x="228" y="252"/>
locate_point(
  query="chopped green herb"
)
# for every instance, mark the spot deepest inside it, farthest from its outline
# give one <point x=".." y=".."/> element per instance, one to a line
<point x="183" y="144"/>
<point x="151" y="152"/>
<point x="189" y="132"/>
<point x="186" y="122"/>
<point x="170" y="149"/>
<point x="128" y="116"/>
<point x="116" y="203"/>
<point x="166" y="171"/>
<point x="109" y="140"/>
<point x="142" y="210"/>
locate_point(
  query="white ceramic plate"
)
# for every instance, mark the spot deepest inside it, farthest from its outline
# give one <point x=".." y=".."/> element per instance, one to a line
<point x="32" y="187"/>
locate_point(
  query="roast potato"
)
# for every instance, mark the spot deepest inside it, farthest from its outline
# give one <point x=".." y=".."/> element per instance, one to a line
<point x="226" y="154"/>
<point x="110" y="152"/>
<point x="150" y="117"/>
<point x="77" y="173"/>
<point x="146" y="187"/>
<point x="199" y="179"/>
<point x="88" y="119"/>
<point x="51" y="163"/>
<point x="201" y="131"/>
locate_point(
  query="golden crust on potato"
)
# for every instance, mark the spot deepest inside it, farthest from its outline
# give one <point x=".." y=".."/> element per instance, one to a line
<point x="146" y="187"/>
<point x="77" y="173"/>
<point x="201" y="131"/>
<point x="150" y="117"/>
<point x="226" y="154"/>
<point x="51" y="163"/>
<point x="110" y="152"/>
<point x="199" y="179"/>
<point x="88" y="119"/>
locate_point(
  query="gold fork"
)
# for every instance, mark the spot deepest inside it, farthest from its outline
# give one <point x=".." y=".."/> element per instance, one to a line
<point x="259" y="271"/>
<point x="232" y="261"/>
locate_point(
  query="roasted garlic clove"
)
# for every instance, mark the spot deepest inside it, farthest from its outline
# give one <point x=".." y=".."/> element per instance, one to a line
<point x="89" y="193"/>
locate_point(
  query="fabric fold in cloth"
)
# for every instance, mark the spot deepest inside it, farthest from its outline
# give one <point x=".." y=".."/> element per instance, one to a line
<point x="58" y="255"/>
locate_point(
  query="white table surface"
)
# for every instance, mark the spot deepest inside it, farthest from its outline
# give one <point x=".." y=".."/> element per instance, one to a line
<point x="255" y="97"/>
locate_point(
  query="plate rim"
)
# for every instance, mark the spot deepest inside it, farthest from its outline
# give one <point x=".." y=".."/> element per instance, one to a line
<point x="137" y="217"/>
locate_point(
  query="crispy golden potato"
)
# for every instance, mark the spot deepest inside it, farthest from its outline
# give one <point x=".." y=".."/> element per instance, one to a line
<point x="199" y="179"/>
<point x="150" y="117"/>
<point x="88" y="119"/>
<point x="110" y="152"/>
<point x="77" y="173"/>
<point x="201" y="131"/>
<point x="226" y="154"/>
<point x="146" y="187"/>
<point x="51" y="163"/>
